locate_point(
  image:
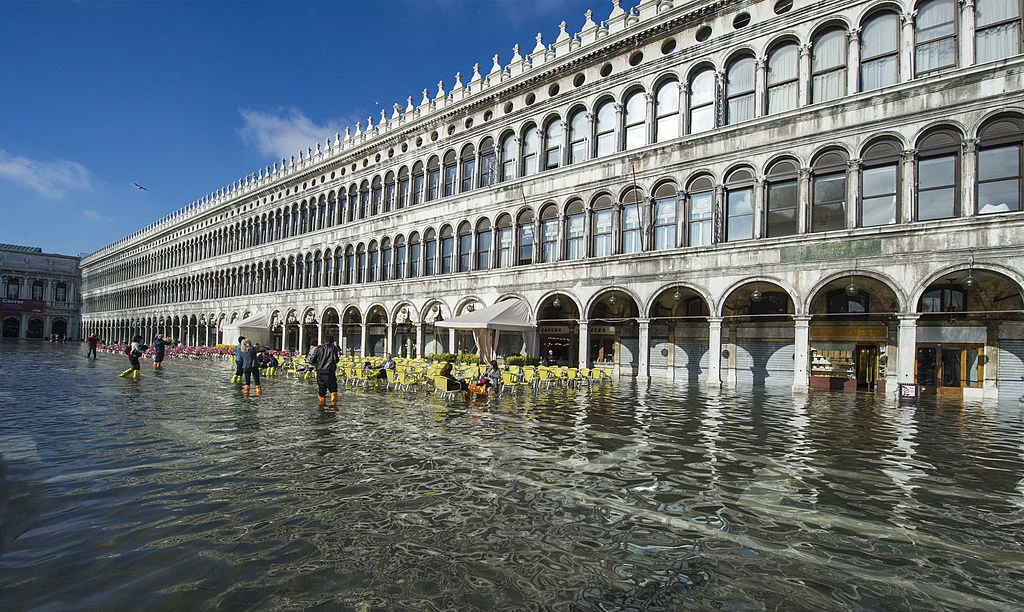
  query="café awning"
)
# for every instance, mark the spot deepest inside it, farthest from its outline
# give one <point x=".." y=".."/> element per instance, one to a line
<point x="507" y="315"/>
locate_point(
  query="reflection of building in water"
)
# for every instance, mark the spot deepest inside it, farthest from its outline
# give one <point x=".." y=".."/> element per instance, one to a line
<point x="40" y="293"/>
<point x="738" y="193"/>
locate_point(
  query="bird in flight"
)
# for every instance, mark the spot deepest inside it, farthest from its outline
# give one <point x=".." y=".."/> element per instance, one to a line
<point x="140" y="187"/>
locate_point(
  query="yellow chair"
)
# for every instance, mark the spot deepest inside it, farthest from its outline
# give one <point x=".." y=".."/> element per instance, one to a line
<point x="441" y="388"/>
<point x="511" y="380"/>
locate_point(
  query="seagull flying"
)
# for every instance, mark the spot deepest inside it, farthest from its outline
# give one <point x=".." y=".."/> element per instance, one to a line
<point x="140" y="187"/>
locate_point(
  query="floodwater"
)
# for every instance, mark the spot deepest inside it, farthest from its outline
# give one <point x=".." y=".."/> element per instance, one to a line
<point x="174" y="493"/>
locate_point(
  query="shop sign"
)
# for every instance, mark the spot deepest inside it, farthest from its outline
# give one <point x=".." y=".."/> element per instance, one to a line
<point x="602" y="330"/>
<point x="554" y="329"/>
<point x="16" y="305"/>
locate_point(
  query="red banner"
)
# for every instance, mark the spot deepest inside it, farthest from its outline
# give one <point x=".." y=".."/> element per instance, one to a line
<point x="16" y="305"/>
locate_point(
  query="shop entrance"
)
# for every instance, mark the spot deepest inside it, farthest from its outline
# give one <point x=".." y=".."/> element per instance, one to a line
<point x="866" y="365"/>
<point x="945" y="370"/>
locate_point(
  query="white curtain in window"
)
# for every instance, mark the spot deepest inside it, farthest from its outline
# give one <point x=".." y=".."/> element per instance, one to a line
<point x="936" y="19"/>
<point x="998" y="42"/>
<point x="829" y="51"/>
<point x="782" y="97"/>
<point x="880" y="36"/>
<point x="829" y="86"/>
<point x="987" y="12"/>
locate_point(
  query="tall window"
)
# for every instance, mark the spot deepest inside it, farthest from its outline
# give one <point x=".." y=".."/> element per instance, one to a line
<point x="377" y="196"/>
<point x="665" y="217"/>
<point x="575" y="226"/>
<point x="603" y="214"/>
<point x="828" y="204"/>
<point x="936" y="35"/>
<point x="484" y="241"/>
<point x="783" y="78"/>
<point x="879" y="51"/>
<point x="504" y="226"/>
<point x="828" y="66"/>
<point x="350" y="265"/>
<point x="415" y="255"/>
<point x="400" y="258"/>
<point x="465" y="247"/>
<point x="525" y="222"/>
<point x="488" y="163"/>
<point x="390" y="192"/>
<point x="578" y="137"/>
<point x="632" y="211"/>
<point x="636" y="120"/>
<point x="403" y="187"/>
<point x="879" y="180"/>
<point x="702" y="101"/>
<point x="531" y="147"/>
<point x="60" y="293"/>
<point x="468" y="167"/>
<point x="999" y="165"/>
<point x="996" y="29"/>
<point x="361" y="263"/>
<point x="604" y="128"/>
<point x="508" y="157"/>
<point x="429" y="253"/>
<point x="364" y="199"/>
<point x="549" y="233"/>
<point x="553" y="144"/>
<point x="739" y="204"/>
<point x="433" y="178"/>
<point x="938" y="172"/>
<point x="666" y="111"/>
<point x="739" y="86"/>
<point x="37" y="290"/>
<point x="781" y="204"/>
<point x="371" y="262"/>
<point x="699" y="230"/>
<point x="419" y="183"/>
<point x="451" y="173"/>
<point x="386" y="261"/>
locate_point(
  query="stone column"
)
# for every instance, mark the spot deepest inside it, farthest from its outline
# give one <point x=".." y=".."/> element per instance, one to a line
<point x="584" y="348"/>
<point x="966" y="37"/>
<point x="714" y="352"/>
<point x="804" y="84"/>
<point x="760" y="87"/>
<point x="645" y="350"/>
<point x="853" y="61"/>
<point x="363" y="329"/>
<point x="730" y="372"/>
<point x="804" y="201"/>
<point x="302" y="338"/>
<point x="853" y="168"/>
<point x="801" y="353"/>
<point x="907" y="347"/>
<point x="907" y="42"/>
<point x="969" y="178"/>
<point x="419" y="341"/>
<point x="908" y="194"/>
<point x="758" y="206"/>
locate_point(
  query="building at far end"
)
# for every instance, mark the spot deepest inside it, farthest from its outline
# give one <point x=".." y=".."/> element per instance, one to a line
<point x="817" y="194"/>
<point x="40" y="294"/>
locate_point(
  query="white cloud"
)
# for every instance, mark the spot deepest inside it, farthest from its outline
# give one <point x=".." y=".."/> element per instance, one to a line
<point x="51" y="179"/>
<point x="284" y="133"/>
<point x="92" y="215"/>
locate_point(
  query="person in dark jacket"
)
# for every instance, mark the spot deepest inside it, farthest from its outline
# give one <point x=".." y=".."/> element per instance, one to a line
<point x="324" y="359"/>
<point x="158" y="352"/>
<point x="250" y="367"/>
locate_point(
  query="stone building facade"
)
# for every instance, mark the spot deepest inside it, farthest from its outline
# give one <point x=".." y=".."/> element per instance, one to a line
<point x="817" y="194"/>
<point x="40" y="294"/>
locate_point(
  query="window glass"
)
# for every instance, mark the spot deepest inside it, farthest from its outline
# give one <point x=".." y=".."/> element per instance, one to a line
<point x="400" y="262"/>
<point x="531" y="143"/>
<point x="702" y="102"/>
<point x="936" y="196"/>
<point x="508" y="151"/>
<point x="468" y="170"/>
<point x="783" y="79"/>
<point x="553" y="144"/>
<point x="504" y="247"/>
<point x="549" y="230"/>
<point x="667" y="112"/>
<point x="997" y="29"/>
<point x="879" y="52"/>
<point x="605" y="129"/>
<point x="631" y="229"/>
<point x="740" y="89"/>
<point x="828" y="65"/>
<point x="415" y="249"/>
<point x="525" y="244"/>
<point x="447" y="254"/>
<point x="878" y="204"/>
<point x="701" y="205"/>
<point x="602" y="233"/>
<point x="664" y="223"/>
<point x="829" y="204"/>
<point x="430" y="258"/>
<point x="740" y="224"/>
<point x="999" y="179"/>
<point x="465" y="252"/>
<point x="782" y="204"/>
<point x="483" y="253"/>
<point x="451" y="177"/>
<point x="577" y="137"/>
<point x="575" y="225"/>
<point x="936" y="35"/>
<point x="636" y="120"/>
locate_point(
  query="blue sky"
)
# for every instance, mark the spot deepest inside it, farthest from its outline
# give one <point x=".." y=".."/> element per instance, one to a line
<point x="184" y="97"/>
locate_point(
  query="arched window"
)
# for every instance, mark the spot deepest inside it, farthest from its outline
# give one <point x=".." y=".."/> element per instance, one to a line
<point x="386" y="261"/>
<point x="350" y="265"/>
<point x="37" y="290"/>
<point x="702" y="101"/>
<point x="504" y="226"/>
<point x="783" y="78"/>
<point x="447" y="250"/>
<point x="415" y="255"/>
<point x="739" y="205"/>
<point x="433" y="178"/>
<point x="353" y="202"/>
<point x="390" y="192"/>
<point x="531" y="148"/>
<point x="400" y="257"/>
<point x="549" y="233"/>
<point x="488" y="163"/>
<point x="635" y="120"/>
<point x="525" y="222"/>
<point x="665" y="216"/>
<point x="935" y="31"/>
<point x="938" y="175"/>
<point x="286" y="223"/>
<point x="999" y="165"/>
<point x="60" y="292"/>
<point x="666" y="111"/>
<point x="371" y="262"/>
<point x="553" y="144"/>
<point x="602" y="244"/>
<point x="828" y="189"/>
<point x="997" y="28"/>
<point x="361" y="263"/>
<point x="419" y="183"/>
<point x="828" y="65"/>
<point x="339" y="266"/>
<point x="468" y="159"/>
<point x="699" y="211"/>
<point x="451" y="174"/>
<point x="429" y="253"/>
<point x="879" y="181"/>
<point x="576" y="224"/>
<point x="739" y="90"/>
<point x="484" y="242"/>
<point x="508" y="157"/>
<point x="403" y="187"/>
<point x="364" y="199"/>
<point x="465" y="247"/>
<point x="377" y="196"/>
<point x="578" y="137"/>
<point x="782" y="204"/>
<point x="604" y="128"/>
<point x="879" y="51"/>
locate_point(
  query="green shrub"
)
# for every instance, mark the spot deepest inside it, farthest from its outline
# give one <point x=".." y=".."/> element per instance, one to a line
<point x="515" y="360"/>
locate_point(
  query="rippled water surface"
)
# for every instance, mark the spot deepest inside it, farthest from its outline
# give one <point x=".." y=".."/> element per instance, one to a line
<point x="174" y="492"/>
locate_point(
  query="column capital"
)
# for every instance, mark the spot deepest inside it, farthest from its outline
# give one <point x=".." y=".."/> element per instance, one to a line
<point x="908" y="317"/>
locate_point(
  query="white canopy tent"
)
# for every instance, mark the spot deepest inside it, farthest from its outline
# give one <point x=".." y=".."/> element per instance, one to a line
<point x="487" y="323"/>
<point x="255" y="327"/>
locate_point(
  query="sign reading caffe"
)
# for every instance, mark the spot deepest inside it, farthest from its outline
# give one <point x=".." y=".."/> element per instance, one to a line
<point x="16" y="305"/>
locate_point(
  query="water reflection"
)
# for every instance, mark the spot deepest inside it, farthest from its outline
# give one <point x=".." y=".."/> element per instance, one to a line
<point x="176" y="491"/>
